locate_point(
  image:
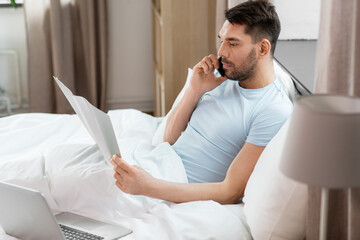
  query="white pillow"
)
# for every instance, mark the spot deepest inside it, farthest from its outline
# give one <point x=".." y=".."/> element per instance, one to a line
<point x="286" y="81"/>
<point x="274" y="205"/>
<point x="279" y="72"/>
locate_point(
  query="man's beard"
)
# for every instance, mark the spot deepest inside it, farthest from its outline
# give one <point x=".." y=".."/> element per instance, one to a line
<point x="245" y="71"/>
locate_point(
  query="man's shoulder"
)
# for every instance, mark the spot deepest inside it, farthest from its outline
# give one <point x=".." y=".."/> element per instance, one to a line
<point x="275" y="103"/>
<point x="276" y="99"/>
<point x="282" y="107"/>
<point x="268" y="119"/>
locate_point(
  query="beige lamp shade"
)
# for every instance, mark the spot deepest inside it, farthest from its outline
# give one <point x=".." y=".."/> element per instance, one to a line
<point x="323" y="142"/>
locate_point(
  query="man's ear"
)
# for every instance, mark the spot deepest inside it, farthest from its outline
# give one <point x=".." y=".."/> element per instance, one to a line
<point x="264" y="47"/>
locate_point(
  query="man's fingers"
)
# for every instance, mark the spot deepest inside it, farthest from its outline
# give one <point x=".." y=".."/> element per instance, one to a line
<point x="118" y="176"/>
<point x="214" y="60"/>
<point x="126" y="167"/>
<point x="120" y="186"/>
<point x="119" y="173"/>
<point x="205" y="66"/>
<point x="209" y="64"/>
<point x="121" y="163"/>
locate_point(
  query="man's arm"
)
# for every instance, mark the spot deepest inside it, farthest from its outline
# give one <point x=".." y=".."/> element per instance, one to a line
<point x="202" y="81"/>
<point x="180" y="116"/>
<point x="134" y="180"/>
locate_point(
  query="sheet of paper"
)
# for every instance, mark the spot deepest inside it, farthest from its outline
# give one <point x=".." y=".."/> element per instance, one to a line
<point x="96" y="122"/>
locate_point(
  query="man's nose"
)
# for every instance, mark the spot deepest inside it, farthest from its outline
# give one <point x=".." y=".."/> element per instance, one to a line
<point x="222" y="52"/>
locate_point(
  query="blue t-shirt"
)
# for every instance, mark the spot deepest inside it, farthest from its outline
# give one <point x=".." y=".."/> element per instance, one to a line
<point x="224" y="119"/>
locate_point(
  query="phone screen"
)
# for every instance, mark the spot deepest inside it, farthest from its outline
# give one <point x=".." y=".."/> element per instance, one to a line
<point x="221" y="69"/>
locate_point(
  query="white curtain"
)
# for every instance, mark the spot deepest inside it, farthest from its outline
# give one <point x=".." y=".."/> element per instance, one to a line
<point x="338" y="55"/>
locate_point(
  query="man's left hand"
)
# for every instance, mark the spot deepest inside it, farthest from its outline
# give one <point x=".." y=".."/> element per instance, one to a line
<point x="130" y="178"/>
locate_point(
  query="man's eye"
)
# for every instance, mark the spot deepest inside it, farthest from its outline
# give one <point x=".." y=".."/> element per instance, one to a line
<point x="232" y="44"/>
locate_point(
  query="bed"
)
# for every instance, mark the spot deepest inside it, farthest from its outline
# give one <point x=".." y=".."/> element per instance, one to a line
<point x="54" y="154"/>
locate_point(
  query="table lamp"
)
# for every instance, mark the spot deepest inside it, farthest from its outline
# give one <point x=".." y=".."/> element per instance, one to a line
<point x="322" y="147"/>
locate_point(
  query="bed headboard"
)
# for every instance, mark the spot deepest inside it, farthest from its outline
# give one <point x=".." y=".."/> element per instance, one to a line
<point x="300" y="88"/>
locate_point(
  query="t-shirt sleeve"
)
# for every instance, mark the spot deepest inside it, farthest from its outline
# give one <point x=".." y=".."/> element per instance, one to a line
<point x="267" y="123"/>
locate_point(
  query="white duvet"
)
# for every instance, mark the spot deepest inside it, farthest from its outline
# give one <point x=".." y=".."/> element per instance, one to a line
<point x="54" y="154"/>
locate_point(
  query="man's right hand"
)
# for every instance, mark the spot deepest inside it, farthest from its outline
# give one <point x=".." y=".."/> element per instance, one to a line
<point x="203" y="78"/>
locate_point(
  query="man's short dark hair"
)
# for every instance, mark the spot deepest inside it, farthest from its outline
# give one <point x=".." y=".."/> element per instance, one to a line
<point x="260" y="18"/>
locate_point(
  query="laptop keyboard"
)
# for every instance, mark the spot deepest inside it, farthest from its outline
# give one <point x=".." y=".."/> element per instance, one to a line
<point x="74" y="234"/>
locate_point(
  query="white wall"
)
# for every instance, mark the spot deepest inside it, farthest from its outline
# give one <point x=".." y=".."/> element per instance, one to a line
<point x="299" y="19"/>
<point x="130" y="55"/>
<point x="13" y="36"/>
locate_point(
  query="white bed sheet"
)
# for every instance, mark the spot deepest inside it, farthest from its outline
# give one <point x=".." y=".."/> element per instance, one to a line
<point x="54" y="154"/>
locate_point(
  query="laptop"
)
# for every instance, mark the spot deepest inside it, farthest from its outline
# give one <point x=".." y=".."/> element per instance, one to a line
<point x="25" y="214"/>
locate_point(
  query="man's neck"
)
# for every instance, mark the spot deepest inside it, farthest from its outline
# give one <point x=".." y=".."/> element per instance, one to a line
<point x="264" y="75"/>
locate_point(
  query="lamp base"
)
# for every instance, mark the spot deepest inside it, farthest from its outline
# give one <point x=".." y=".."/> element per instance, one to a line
<point x="324" y="212"/>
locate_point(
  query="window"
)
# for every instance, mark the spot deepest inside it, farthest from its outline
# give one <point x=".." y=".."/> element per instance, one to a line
<point x="7" y="3"/>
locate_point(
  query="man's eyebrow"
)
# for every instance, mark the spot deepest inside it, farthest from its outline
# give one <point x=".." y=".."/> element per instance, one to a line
<point x="230" y="39"/>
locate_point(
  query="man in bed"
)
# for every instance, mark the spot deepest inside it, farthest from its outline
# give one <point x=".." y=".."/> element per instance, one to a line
<point x="222" y="124"/>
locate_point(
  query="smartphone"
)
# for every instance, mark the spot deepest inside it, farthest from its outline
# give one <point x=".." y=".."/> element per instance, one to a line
<point x="221" y="69"/>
